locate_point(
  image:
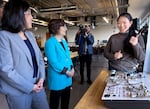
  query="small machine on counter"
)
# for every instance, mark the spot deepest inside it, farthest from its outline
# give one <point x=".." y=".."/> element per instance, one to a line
<point x="127" y="91"/>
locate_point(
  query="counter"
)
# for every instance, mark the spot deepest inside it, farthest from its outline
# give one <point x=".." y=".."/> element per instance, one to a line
<point x="92" y="98"/>
<point x="74" y="54"/>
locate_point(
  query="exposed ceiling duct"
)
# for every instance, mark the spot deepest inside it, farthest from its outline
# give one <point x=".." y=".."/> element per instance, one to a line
<point x="78" y="9"/>
<point x="123" y="8"/>
<point x="59" y="9"/>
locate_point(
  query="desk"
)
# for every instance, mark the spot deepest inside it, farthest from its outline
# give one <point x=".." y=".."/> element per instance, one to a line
<point x="75" y="60"/>
<point x="92" y="98"/>
<point x="74" y="54"/>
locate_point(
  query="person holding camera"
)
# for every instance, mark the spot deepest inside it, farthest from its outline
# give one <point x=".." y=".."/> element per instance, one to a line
<point x="85" y="40"/>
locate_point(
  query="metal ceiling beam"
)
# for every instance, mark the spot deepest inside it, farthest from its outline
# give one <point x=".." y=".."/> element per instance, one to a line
<point x="57" y="9"/>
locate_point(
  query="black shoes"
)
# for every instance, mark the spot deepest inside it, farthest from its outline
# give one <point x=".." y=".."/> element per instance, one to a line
<point x="81" y="82"/>
<point x="89" y="82"/>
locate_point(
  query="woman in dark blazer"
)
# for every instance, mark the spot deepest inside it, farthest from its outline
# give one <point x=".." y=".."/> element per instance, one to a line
<point x="22" y="69"/>
<point x="60" y="67"/>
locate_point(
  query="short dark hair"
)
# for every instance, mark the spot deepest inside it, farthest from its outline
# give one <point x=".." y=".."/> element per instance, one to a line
<point x="127" y="15"/>
<point x="54" y="25"/>
<point x="13" y="19"/>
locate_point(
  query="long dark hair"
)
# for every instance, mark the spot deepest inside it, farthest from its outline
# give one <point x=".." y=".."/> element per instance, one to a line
<point x="13" y="19"/>
<point x="131" y="32"/>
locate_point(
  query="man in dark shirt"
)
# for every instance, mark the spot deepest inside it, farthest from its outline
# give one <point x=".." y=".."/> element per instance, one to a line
<point x="85" y="41"/>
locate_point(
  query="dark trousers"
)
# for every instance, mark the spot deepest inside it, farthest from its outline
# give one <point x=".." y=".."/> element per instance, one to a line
<point x="85" y="59"/>
<point x="56" y="96"/>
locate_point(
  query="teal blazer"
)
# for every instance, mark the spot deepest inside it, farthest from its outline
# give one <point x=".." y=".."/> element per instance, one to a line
<point x="58" y="58"/>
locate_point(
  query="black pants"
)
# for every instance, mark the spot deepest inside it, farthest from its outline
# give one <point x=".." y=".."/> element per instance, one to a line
<point x="56" y="96"/>
<point x="85" y="59"/>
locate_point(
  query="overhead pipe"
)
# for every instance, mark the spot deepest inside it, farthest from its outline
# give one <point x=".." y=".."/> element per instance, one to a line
<point x="73" y="7"/>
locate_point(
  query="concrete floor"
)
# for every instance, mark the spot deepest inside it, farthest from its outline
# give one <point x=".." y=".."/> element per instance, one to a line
<point x="98" y="63"/>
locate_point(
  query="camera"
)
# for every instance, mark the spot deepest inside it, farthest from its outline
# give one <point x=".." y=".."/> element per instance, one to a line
<point x="82" y="29"/>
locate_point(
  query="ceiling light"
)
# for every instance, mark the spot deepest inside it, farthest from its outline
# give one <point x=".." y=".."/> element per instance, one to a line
<point x="105" y="19"/>
<point x="117" y="9"/>
<point x="5" y="0"/>
<point x="35" y="10"/>
<point x="69" y="22"/>
<point x="39" y="22"/>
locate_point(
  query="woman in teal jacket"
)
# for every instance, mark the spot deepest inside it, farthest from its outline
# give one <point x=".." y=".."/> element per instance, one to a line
<point x="60" y="67"/>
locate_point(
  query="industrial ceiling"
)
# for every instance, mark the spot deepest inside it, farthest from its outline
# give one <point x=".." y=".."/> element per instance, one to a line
<point x="79" y="11"/>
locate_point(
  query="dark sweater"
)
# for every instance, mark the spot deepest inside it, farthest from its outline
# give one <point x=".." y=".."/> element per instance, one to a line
<point x="128" y="62"/>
